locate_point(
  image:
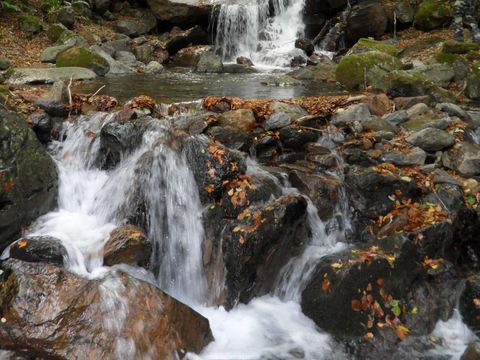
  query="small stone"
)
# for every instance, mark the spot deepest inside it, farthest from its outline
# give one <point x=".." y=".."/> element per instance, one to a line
<point x="358" y="112"/>
<point x="418" y="109"/>
<point x="396" y="118"/>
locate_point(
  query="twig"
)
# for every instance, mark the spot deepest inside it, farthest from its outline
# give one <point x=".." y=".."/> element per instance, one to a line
<point x="70" y="91"/>
<point x="96" y="92"/>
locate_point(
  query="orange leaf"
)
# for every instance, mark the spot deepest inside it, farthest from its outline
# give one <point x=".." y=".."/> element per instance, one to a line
<point x="356" y="305"/>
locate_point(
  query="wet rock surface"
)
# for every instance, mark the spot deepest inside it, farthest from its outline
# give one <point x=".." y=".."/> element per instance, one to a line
<point x="43" y="305"/>
<point x="28" y="177"/>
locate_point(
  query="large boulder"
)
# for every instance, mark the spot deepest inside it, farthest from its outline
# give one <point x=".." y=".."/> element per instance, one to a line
<point x="24" y="76"/>
<point x="189" y="56"/>
<point x="28" y="177"/>
<point x="182" y="13"/>
<point x="239" y="120"/>
<point x="143" y="23"/>
<point x="367" y="18"/>
<point x="51" y="313"/>
<point x="465" y="159"/>
<point x="82" y="57"/>
<point x="352" y="70"/>
<point x="390" y="287"/>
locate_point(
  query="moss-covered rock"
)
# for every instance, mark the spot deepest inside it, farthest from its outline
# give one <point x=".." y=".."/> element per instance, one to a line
<point x="352" y="69"/>
<point x="459" y="47"/>
<point x="30" y="24"/>
<point x="5" y="64"/>
<point x="55" y="31"/>
<point x="447" y="58"/>
<point x="83" y="57"/>
<point x="28" y="177"/>
<point x="433" y="14"/>
<point x="369" y="44"/>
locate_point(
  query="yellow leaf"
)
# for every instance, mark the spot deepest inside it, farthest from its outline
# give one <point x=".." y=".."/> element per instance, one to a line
<point x="22" y="243"/>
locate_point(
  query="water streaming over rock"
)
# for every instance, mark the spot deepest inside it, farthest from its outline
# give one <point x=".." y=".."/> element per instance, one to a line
<point x="261" y="30"/>
<point x="92" y="202"/>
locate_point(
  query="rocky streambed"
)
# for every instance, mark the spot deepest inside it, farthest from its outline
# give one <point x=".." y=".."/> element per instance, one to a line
<point x="359" y="212"/>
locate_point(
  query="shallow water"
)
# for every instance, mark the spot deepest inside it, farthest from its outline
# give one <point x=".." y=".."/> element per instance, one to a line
<point x="175" y="86"/>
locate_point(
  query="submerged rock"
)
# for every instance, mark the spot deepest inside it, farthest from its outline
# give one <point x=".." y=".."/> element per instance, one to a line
<point x="115" y="316"/>
<point x="28" y="177"/>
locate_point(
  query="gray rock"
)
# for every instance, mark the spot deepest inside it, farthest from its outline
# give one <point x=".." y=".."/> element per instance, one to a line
<point x="277" y="121"/>
<point x="405" y="11"/>
<point x="116" y="67"/>
<point x="466" y="161"/>
<point x="58" y="93"/>
<point x="154" y="68"/>
<point x="442" y="177"/>
<point x="209" y="62"/>
<point x="473" y="86"/>
<point x="396" y="118"/>
<point x="181" y="13"/>
<point x="431" y="139"/>
<point x="453" y="110"/>
<point x="144" y="53"/>
<point x="439" y="74"/>
<point x="50" y="54"/>
<point x="23" y="76"/>
<point x="126" y="58"/>
<point x="415" y="157"/>
<point x="294" y="111"/>
<point x="122" y="44"/>
<point x="377" y="124"/>
<point x="418" y="109"/>
<point x="144" y="23"/>
<point x="238" y="69"/>
<point x="357" y="112"/>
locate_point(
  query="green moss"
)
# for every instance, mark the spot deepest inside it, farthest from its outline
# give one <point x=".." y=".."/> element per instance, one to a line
<point x="459" y="47"/>
<point x="30" y="24"/>
<point x="473" y="55"/>
<point x="449" y="59"/>
<point x="418" y="122"/>
<point x="65" y="37"/>
<point x="83" y="57"/>
<point x="432" y="14"/>
<point x="55" y="31"/>
<point x="352" y="69"/>
<point x="370" y="44"/>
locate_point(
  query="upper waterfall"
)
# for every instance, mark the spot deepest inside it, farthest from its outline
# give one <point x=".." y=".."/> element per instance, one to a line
<point x="264" y="31"/>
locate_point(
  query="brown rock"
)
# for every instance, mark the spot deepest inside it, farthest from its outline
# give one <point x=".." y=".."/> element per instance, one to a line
<point x="379" y="104"/>
<point x="241" y="120"/>
<point x="128" y="245"/>
<point x="51" y="313"/>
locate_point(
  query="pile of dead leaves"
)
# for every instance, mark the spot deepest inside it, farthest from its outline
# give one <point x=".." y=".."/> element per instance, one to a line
<point x="320" y="105"/>
<point x="419" y="215"/>
<point x="142" y="102"/>
<point x="83" y="102"/>
<point x="237" y="189"/>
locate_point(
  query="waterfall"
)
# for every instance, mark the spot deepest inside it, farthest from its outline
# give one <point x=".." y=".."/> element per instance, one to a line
<point x="261" y="30"/>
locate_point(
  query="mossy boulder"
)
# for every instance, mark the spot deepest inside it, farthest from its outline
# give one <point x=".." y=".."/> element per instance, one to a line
<point x="473" y="82"/>
<point x="82" y="57"/>
<point x="447" y="58"/>
<point x="352" y="69"/>
<point x="30" y="24"/>
<point x="459" y="47"/>
<point x="433" y="14"/>
<point x="5" y="64"/>
<point x="28" y="177"/>
<point x="369" y="44"/>
<point x="55" y="31"/>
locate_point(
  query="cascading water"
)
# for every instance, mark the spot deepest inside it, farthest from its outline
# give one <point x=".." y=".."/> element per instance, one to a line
<point x="93" y="202"/>
<point x="261" y="30"/>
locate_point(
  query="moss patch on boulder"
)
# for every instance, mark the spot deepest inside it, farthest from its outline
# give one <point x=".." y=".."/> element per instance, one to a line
<point x="55" y="31"/>
<point x="459" y="47"/>
<point x="433" y="14"/>
<point x="30" y="24"/>
<point x="369" y="44"/>
<point x="352" y="69"/>
<point x="83" y="57"/>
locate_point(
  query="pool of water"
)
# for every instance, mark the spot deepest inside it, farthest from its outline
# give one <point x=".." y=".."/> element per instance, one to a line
<point x="176" y="86"/>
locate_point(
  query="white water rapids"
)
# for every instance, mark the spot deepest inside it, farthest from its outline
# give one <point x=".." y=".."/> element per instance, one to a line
<point x="93" y="202"/>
